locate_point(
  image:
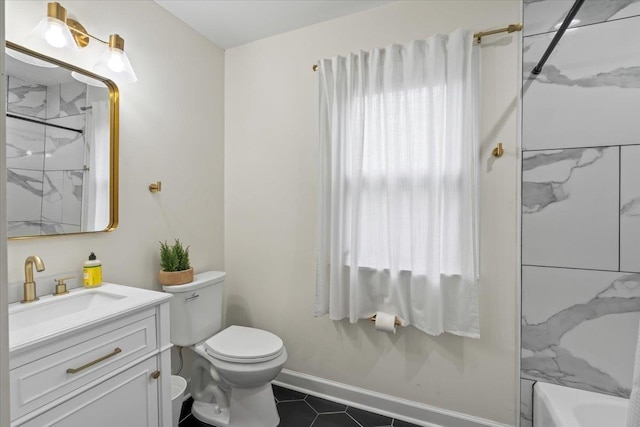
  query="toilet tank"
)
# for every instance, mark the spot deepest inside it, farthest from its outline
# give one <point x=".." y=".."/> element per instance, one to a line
<point x="196" y="308"/>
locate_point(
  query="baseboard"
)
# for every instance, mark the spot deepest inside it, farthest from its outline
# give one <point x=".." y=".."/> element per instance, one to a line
<point x="390" y="406"/>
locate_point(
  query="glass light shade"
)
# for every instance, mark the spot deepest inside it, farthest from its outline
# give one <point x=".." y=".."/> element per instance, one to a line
<point x="29" y="59"/>
<point x="114" y="64"/>
<point x="87" y="80"/>
<point x="55" y="32"/>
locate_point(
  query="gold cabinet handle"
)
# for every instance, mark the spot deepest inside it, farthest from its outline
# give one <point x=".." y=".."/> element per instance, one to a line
<point x="155" y="375"/>
<point x="98" y="360"/>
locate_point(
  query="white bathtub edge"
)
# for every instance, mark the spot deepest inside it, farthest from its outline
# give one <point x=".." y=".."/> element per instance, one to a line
<point x="560" y="406"/>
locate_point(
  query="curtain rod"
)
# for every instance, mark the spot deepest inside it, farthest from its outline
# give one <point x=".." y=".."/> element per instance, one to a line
<point x="508" y="29"/>
<point x="479" y="35"/>
<point x="27" y="119"/>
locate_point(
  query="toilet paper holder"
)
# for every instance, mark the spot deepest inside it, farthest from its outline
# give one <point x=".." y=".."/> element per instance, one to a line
<point x="396" y="322"/>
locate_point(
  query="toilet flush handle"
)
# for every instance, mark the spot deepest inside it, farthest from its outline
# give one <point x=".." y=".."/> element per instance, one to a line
<point x="194" y="296"/>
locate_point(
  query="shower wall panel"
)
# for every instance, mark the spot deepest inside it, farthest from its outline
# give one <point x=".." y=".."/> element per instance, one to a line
<point x="580" y="198"/>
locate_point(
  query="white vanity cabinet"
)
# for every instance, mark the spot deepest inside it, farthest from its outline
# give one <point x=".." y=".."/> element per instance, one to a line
<point x="111" y="372"/>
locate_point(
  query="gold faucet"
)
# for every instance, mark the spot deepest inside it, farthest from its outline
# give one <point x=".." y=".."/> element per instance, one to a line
<point x="29" y="283"/>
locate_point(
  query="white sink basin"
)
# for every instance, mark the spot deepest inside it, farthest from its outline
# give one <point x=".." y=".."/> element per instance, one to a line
<point x="56" y="308"/>
<point x="52" y="317"/>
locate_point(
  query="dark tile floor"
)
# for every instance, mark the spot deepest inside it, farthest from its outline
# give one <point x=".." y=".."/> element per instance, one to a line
<point x="304" y="410"/>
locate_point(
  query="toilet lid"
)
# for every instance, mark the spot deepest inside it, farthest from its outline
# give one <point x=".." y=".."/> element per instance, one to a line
<point x="244" y="345"/>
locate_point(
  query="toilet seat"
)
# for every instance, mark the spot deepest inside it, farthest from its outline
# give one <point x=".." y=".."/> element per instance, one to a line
<point x="239" y="344"/>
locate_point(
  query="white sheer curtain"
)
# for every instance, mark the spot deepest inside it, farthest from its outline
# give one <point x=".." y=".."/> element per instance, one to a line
<point x="96" y="183"/>
<point x="398" y="184"/>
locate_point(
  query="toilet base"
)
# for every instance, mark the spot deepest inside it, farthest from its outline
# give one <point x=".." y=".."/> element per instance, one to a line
<point x="248" y="407"/>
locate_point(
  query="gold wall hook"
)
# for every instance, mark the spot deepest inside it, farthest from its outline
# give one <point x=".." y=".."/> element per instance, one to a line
<point x="155" y="187"/>
<point x="498" y="151"/>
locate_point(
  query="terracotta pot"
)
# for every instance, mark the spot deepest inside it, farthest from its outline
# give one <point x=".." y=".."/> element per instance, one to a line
<point x="171" y="278"/>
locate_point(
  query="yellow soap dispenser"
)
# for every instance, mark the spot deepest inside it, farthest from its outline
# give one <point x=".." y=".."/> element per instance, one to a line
<point x="92" y="272"/>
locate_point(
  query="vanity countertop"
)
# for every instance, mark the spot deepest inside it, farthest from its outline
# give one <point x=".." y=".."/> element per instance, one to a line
<point x="52" y="317"/>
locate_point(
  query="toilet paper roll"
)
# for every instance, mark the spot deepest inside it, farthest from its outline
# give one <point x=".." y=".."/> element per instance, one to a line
<point x="385" y="322"/>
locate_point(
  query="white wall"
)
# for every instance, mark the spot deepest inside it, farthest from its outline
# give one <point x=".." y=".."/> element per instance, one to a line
<point x="171" y="129"/>
<point x="270" y="221"/>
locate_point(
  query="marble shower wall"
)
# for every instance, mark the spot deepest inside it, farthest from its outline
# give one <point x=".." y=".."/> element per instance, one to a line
<point x="630" y="208"/>
<point x="580" y="198"/>
<point x="45" y="164"/>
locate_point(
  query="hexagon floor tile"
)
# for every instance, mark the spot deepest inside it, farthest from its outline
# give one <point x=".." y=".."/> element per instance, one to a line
<point x="302" y="410"/>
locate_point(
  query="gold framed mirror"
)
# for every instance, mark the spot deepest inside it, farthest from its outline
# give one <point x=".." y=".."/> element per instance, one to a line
<point x="62" y="147"/>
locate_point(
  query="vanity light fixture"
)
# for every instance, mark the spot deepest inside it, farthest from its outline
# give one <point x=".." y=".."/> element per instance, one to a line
<point x="114" y="62"/>
<point x="54" y="29"/>
<point x="60" y="31"/>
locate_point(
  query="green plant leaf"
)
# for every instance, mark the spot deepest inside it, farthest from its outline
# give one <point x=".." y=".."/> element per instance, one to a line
<point x="174" y="257"/>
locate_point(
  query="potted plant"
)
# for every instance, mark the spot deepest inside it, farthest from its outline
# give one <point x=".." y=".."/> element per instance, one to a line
<point x="174" y="263"/>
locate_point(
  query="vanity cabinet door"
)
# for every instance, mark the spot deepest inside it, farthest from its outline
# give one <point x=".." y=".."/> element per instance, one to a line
<point x="129" y="399"/>
<point x="46" y="379"/>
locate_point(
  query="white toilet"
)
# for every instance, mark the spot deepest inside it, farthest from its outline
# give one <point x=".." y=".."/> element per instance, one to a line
<point x="230" y="381"/>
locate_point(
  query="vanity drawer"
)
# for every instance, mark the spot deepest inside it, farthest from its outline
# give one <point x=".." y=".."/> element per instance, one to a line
<point x="46" y="379"/>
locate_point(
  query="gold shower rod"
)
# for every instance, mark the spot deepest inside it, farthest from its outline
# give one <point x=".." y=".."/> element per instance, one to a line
<point x="508" y="29"/>
<point x="479" y="35"/>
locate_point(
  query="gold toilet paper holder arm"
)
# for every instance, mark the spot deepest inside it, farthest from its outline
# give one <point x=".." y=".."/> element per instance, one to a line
<point x="396" y="322"/>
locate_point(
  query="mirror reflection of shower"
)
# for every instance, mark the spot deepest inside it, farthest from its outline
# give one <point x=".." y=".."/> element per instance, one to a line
<point x="57" y="149"/>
